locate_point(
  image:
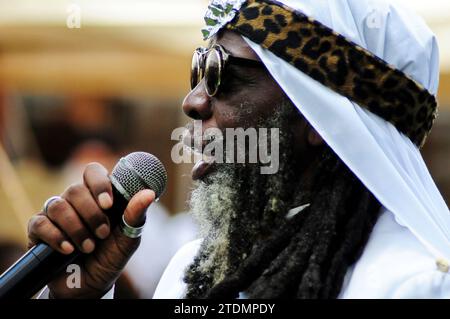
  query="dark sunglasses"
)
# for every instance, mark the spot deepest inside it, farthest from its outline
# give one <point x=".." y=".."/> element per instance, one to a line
<point x="211" y="65"/>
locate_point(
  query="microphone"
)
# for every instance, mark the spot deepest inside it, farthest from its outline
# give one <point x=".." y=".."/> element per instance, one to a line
<point x="133" y="173"/>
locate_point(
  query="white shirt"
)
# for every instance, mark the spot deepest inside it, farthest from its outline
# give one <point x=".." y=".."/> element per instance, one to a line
<point x="394" y="264"/>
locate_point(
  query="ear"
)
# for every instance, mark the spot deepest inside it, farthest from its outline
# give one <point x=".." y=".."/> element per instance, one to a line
<point x="314" y="139"/>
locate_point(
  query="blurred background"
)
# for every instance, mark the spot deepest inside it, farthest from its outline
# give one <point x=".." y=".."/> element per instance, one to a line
<point x="70" y="95"/>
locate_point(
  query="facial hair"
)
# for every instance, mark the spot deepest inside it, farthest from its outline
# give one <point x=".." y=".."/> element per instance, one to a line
<point x="237" y="208"/>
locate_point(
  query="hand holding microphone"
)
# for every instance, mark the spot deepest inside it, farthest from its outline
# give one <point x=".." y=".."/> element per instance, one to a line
<point x="80" y="227"/>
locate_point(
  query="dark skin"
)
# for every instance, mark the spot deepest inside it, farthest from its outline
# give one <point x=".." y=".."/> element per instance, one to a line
<point x="78" y="221"/>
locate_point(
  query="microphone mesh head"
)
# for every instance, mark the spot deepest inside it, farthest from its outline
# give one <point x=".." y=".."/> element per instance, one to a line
<point x="139" y="171"/>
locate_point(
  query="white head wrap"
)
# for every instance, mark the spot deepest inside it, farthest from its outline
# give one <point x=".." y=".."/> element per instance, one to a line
<point x="386" y="161"/>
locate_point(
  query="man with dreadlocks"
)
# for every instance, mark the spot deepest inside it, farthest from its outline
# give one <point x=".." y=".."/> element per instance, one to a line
<point x="352" y="211"/>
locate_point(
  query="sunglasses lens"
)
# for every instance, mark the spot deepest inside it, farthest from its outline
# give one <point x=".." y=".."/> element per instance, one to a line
<point x="213" y="73"/>
<point x="195" y="70"/>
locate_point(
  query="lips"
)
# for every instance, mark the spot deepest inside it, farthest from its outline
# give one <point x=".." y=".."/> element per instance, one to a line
<point x="201" y="169"/>
<point x="205" y="164"/>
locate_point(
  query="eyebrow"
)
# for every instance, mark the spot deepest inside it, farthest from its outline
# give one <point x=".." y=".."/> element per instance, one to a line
<point x="237" y="69"/>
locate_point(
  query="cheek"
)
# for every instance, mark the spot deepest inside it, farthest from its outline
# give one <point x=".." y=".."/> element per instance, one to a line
<point x="247" y="108"/>
<point x="243" y="114"/>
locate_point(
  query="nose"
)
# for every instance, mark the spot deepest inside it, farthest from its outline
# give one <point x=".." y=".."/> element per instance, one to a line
<point x="197" y="104"/>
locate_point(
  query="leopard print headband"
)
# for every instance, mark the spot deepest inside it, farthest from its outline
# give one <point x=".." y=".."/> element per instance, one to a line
<point x="331" y="59"/>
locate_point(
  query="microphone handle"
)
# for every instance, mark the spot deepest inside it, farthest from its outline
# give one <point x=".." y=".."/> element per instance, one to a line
<point x="42" y="263"/>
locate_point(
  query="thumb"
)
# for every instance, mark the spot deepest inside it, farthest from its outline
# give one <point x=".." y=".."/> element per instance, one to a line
<point x="115" y="251"/>
<point x="135" y="212"/>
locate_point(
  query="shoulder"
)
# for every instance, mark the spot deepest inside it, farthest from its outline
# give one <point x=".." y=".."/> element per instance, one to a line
<point x="171" y="284"/>
<point x="395" y="264"/>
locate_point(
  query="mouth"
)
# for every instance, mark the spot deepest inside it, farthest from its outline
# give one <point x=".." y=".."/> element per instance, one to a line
<point x="205" y="164"/>
<point x="201" y="169"/>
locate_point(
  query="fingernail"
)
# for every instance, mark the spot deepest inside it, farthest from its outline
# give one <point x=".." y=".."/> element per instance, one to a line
<point x="67" y="247"/>
<point x="150" y="193"/>
<point x="88" y="246"/>
<point x="105" y="200"/>
<point x="102" y="231"/>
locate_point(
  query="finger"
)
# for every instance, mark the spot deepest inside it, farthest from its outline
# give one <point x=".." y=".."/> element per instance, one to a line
<point x="97" y="180"/>
<point x="134" y="216"/>
<point x="81" y="199"/>
<point x="41" y="229"/>
<point x="137" y="207"/>
<point x="62" y="214"/>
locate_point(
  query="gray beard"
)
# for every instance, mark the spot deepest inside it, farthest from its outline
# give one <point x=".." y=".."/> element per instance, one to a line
<point x="236" y="207"/>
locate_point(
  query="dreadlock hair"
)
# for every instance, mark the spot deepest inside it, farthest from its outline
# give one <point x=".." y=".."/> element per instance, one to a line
<point x="305" y="256"/>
